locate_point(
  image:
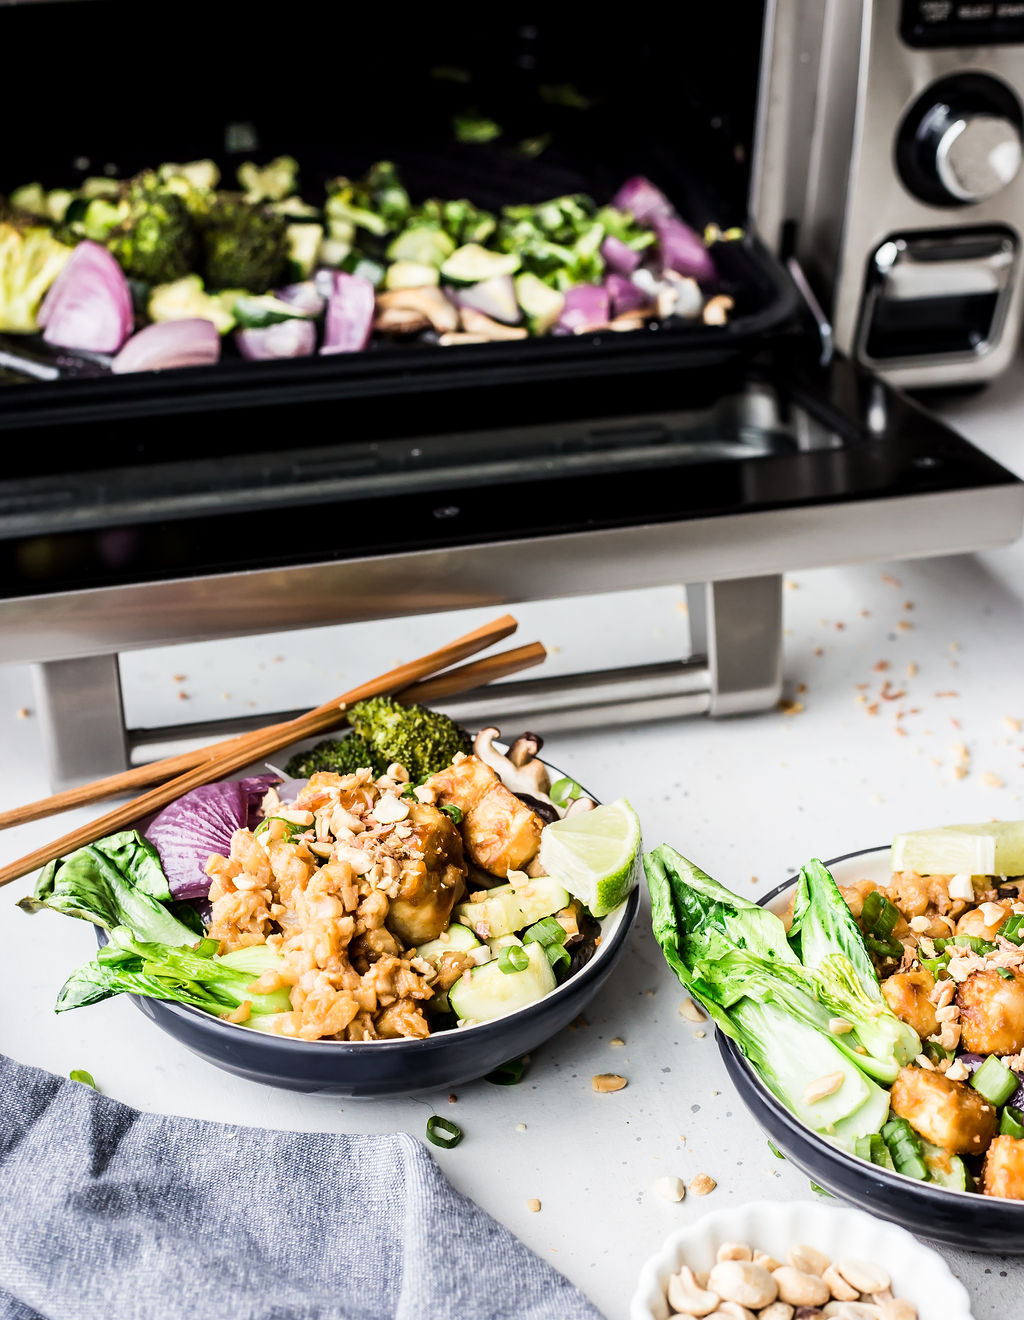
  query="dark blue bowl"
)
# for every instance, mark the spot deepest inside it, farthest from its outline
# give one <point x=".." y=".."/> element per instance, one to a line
<point x="962" y="1219"/>
<point x="363" y="1070"/>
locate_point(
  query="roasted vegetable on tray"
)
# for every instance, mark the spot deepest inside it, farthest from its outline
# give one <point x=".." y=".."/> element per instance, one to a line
<point x="287" y="277"/>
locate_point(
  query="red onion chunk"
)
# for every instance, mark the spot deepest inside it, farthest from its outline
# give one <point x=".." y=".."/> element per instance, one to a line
<point x="587" y="307"/>
<point x="682" y="249"/>
<point x="349" y="314"/>
<point x="642" y="200"/>
<point x="89" y="305"/>
<point x="619" y="256"/>
<point x="305" y="298"/>
<point x="286" y="339"/>
<point x="191" y="342"/>
<point x="624" y="295"/>
<point x="202" y="822"/>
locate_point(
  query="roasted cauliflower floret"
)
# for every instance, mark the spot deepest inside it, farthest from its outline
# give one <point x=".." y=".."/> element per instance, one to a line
<point x="992" y="1013"/>
<point x="1003" y="1173"/>
<point x="952" y="1115"/>
<point x="907" y="993"/>
<point x="501" y="833"/>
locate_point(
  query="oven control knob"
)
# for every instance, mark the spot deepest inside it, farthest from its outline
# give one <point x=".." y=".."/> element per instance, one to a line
<point x="961" y="141"/>
<point x="976" y="155"/>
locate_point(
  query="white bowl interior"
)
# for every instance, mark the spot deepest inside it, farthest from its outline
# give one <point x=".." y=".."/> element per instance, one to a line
<point x="918" y="1274"/>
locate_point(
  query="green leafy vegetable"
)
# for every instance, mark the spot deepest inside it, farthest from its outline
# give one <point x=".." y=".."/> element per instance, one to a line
<point x="452" y="811"/>
<point x="128" y="965"/>
<point x="116" y="881"/>
<point x="734" y="957"/>
<point x="86" y="1078"/>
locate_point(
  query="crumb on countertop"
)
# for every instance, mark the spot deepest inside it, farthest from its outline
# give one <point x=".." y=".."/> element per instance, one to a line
<point x="533" y="1205"/>
<point x="604" y="1083"/>
<point x="22" y="713"/>
<point x="702" y="1184"/>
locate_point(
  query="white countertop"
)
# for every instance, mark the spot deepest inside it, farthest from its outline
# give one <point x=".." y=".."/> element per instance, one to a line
<point x="749" y="799"/>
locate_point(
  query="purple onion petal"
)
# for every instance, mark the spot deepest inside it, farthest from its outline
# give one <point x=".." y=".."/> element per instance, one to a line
<point x="681" y="249"/>
<point x="202" y="822"/>
<point x="349" y="314"/>
<point x="285" y="339"/>
<point x="642" y="200"/>
<point x="618" y="256"/>
<point x="190" y="342"/>
<point x="587" y="307"/>
<point x="89" y="305"/>
<point x="625" y="296"/>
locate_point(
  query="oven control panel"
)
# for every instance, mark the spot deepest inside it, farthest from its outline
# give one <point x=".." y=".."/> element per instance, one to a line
<point x="939" y="23"/>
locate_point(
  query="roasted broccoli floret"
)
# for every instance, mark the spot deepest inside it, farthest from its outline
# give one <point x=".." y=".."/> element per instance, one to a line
<point x="156" y="240"/>
<point x="343" y="755"/>
<point x="269" y="182"/>
<point x="422" y="740"/>
<point x="244" y="246"/>
<point x="30" y="260"/>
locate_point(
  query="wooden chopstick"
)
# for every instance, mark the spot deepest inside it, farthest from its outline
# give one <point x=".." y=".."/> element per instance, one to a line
<point x="463" y="679"/>
<point x="159" y="771"/>
<point x="239" y="752"/>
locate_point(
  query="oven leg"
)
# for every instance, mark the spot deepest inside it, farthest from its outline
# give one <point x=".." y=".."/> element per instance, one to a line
<point x="737" y="625"/>
<point x="82" y="719"/>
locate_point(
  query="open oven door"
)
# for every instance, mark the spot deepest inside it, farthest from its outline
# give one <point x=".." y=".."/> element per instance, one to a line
<point x="138" y="522"/>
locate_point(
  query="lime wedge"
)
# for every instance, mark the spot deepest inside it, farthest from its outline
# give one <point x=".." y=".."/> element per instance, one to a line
<point x="995" y="847"/>
<point x="595" y="854"/>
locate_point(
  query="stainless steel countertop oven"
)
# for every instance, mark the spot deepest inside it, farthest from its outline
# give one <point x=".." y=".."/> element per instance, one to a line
<point x="253" y="496"/>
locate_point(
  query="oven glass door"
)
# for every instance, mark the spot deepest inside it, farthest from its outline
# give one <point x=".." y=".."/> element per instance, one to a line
<point x="267" y="483"/>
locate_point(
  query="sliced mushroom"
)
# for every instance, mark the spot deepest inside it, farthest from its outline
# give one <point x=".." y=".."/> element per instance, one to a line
<point x="630" y="321"/>
<point x="529" y="777"/>
<point x="400" y="321"/>
<point x="578" y="805"/>
<point x="525" y="748"/>
<point x="429" y="302"/>
<point x="475" y="323"/>
<point x="458" y="337"/>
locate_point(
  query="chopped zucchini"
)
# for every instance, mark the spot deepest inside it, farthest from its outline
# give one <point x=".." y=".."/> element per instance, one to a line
<point x="484" y="993"/>
<point x="472" y="263"/>
<point x="410" y="275"/>
<point x="357" y="264"/>
<point x="30" y="198"/>
<point x="303" y="249"/>
<point x="456" y="939"/>
<point x="541" y="304"/>
<point x="509" y="908"/>
<point x="427" y="245"/>
<point x="333" y="251"/>
<point x="254" y="311"/>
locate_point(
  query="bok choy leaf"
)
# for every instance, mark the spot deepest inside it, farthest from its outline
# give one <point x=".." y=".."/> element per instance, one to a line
<point x="128" y="965"/>
<point x="734" y="956"/>
<point x="116" y="881"/>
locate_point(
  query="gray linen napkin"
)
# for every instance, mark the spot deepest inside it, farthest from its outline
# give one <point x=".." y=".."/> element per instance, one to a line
<point x="110" y="1214"/>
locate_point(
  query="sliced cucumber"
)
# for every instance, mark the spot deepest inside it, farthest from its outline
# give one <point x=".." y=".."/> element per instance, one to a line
<point x="356" y="264"/>
<point x="254" y="311"/>
<point x="503" y="942"/>
<point x="485" y="993"/>
<point x="334" y="251"/>
<point x="472" y="263"/>
<point x="427" y="245"/>
<point x="456" y="939"/>
<point x="303" y="248"/>
<point x="541" y="303"/>
<point x="510" y="908"/>
<point x="410" y="275"/>
<point x="946" y="1170"/>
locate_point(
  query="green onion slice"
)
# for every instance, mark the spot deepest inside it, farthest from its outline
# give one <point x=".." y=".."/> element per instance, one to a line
<point x="973" y="942"/>
<point x="513" y="958"/>
<point x="994" y="1081"/>
<point x="1011" y="1123"/>
<point x="86" y="1078"/>
<point x="1012" y="928"/>
<point x="564" y="791"/>
<point x="443" y="1132"/>
<point x="546" y="931"/>
<point x="558" y="955"/>
<point x="507" y="1074"/>
<point x="450" y="809"/>
<point x="1005" y="973"/>
<point x="879" y="915"/>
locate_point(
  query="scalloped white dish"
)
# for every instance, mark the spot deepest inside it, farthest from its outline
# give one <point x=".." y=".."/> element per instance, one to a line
<point x="918" y="1274"/>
